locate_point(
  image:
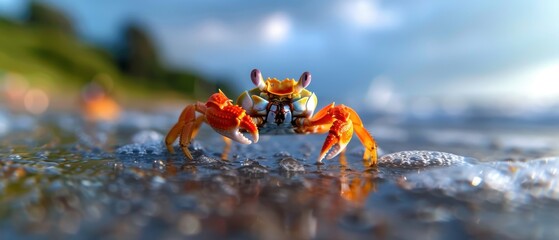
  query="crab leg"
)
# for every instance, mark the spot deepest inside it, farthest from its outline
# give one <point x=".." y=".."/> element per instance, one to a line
<point x="189" y="131"/>
<point x="365" y="137"/>
<point x="186" y="128"/>
<point x="226" y="148"/>
<point x="187" y="115"/>
<point x="173" y="135"/>
<point x="184" y="139"/>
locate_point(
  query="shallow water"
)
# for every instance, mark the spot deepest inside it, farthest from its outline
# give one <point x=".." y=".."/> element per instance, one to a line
<point x="61" y="177"/>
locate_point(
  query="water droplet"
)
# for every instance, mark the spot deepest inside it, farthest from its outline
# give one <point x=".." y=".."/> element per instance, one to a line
<point x="147" y="136"/>
<point x="253" y="169"/>
<point x="282" y="154"/>
<point x="291" y="165"/>
<point x="51" y="170"/>
<point x="14" y="157"/>
<point x="117" y="166"/>
<point x="476" y="181"/>
<point x="157" y="181"/>
<point x="159" y="164"/>
<point x="189" y="225"/>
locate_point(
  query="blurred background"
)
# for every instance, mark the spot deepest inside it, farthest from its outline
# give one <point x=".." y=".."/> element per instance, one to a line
<point x="420" y="58"/>
<point x="88" y="90"/>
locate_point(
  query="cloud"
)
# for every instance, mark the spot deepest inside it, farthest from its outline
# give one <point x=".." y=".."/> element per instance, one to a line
<point x="276" y="28"/>
<point x="209" y="33"/>
<point x="420" y="45"/>
<point x="365" y="14"/>
<point x="532" y="82"/>
<point x="442" y="42"/>
<point x="215" y="35"/>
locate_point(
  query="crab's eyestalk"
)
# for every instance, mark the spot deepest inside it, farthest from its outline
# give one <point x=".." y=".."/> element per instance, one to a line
<point x="304" y="81"/>
<point x="257" y="79"/>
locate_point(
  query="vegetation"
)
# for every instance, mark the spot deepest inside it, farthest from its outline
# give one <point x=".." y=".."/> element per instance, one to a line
<point x="45" y="51"/>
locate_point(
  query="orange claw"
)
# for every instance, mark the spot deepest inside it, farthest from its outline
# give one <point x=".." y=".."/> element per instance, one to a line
<point x="228" y="119"/>
<point x="338" y="137"/>
<point x="218" y="112"/>
<point x="343" y="121"/>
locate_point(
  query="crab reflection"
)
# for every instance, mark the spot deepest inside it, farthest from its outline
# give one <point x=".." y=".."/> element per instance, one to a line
<point x="356" y="187"/>
<point x="300" y="207"/>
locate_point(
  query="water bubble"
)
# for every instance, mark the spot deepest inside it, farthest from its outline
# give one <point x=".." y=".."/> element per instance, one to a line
<point x="118" y="166"/>
<point x="147" y="136"/>
<point x="14" y="157"/>
<point x="157" y="181"/>
<point x="51" y="170"/>
<point x="248" y="162"/>
<point x="253" y="169"/>
<point x="291" y="165"/>
<point x="476" y="181"/>
<point x="421" y="159"/>
<point x="512" y="182"/>
<point x="203" y="159"/>
<point x="42" y="154"/>
<point x="86" y="183"/>
<point x="152" y="148"/>
<point x="159" y="164"/>
<point x="282" y="154"/>
<point x="189" y="225"/>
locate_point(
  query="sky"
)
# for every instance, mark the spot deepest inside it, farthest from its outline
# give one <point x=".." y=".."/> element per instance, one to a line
<point x="359" y="51"/>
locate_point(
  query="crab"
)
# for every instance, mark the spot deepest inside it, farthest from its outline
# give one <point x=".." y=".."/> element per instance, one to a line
<point x="273" y="107"/>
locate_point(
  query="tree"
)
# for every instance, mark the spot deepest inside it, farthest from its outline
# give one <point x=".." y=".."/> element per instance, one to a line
<point x="45" y="16"/>
<point x="138" y="56"/>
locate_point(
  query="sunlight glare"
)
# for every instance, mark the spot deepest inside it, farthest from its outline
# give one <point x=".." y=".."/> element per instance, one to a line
<point x="36" y="101"/>
<point x="277" y="28"/>
<point x="366" y="14"/>
<point x="543" y="81"/>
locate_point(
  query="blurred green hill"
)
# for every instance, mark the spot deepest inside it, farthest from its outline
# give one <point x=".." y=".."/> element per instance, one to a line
<point x="44" y="50"/>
